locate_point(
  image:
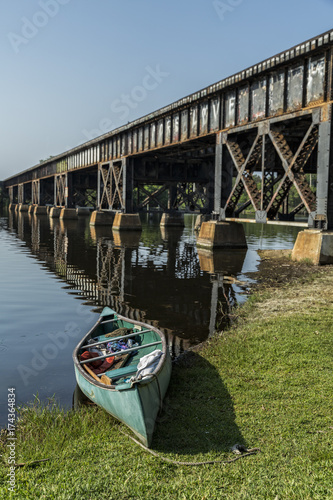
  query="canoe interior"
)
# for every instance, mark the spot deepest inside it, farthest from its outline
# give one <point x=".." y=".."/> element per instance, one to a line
<point x="135" y="404"/>
<point x="101" y="333"/>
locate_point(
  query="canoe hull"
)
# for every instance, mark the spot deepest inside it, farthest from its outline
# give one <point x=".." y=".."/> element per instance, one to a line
<point x="135" y="404"/>
<point x="137" y="407"/>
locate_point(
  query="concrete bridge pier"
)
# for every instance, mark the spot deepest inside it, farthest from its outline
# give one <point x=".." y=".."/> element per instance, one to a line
<point x="199" y="220"/>
<point x="172" y="219"/>
<point x="126" y="222"/>
<point x="23" y="207"/>
<point x="218" y="234"/>
<point x="102" y="218"/>
<point x="54" y="212"/>
<point x="314" y="245"/>
<point x="68" y="213"/>
<point x="40" y="210"/>
<point x="85" y="211"/>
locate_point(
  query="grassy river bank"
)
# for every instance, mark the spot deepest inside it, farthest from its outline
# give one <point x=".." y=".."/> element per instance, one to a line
<point x="266" y="382"/>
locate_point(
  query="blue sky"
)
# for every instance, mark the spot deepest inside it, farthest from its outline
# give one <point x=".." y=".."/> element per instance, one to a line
<point x="74" y="69"/>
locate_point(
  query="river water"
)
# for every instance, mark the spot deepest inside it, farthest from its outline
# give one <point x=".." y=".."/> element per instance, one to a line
<point x="56" y="277"/>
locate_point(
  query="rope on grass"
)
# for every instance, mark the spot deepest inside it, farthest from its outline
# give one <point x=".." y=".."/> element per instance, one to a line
<point x="241" y="450"/>
<point x="251" y="451"/>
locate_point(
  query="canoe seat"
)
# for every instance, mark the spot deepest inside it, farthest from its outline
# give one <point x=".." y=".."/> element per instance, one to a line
<point x="121" y="372"/>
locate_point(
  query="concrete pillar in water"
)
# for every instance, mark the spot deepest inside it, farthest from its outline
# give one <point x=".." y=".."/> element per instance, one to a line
<point x="314" y="245"/>
<point x="215" y="234"/>
<point x="102" y="218"/>
<point x="172" y="219"/>
<point x="40" y="210"/>
<point x="68" y="213"/>
<point x="199" y="220"/>
<point x="83" y="211"/>
<point x="54" y="212"/>
<point x="126" y="222"/>
<point x="23" y="208"/>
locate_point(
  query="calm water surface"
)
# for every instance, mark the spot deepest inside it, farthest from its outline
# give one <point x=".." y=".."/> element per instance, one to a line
<point x="56" y="277"/>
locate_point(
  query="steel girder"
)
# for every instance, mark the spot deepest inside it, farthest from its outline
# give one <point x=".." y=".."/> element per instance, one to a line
<point x="84" y="198"/>
<point x="244" y="167"/>
<point x="35" y="192"/>
<point x="11" y="194"/>
<point x="154" y="197"/>
<point x="111" y="185"/>
<point x="84" y="188"/>
<point x="61" y="190"/>
<point x="186" y="172"/>
<point x="279" y="153"/>
<point x="293" y="165"/>
<point x="192" y="195"/>
<point x="21" y="193"/>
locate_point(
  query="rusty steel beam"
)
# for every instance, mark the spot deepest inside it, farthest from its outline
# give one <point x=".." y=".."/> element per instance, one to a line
<point x="293" y="165"/>
<point x="244" y="168"/>
<point x="60" y="190"/>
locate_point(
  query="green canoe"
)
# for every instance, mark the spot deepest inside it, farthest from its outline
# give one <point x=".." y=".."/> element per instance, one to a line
<point x="125" y="391"/>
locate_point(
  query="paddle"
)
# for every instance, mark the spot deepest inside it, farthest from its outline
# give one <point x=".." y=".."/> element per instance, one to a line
<point x="117" y="353"/>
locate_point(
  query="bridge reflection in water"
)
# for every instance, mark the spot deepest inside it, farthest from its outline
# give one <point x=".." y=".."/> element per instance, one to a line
<point x="157" y="276"/>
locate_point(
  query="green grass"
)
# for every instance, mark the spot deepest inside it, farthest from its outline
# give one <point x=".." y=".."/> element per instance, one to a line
<point x="267" y="383"/>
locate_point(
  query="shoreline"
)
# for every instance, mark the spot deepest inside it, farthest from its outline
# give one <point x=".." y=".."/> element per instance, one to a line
<point x="262" y="383"/>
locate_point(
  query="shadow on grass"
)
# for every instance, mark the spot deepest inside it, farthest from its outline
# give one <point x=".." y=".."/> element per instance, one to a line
<point x="198" y="414"/>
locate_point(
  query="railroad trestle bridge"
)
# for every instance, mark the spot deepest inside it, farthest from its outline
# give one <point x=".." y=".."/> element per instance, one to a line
<point x="244" y="142"/>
